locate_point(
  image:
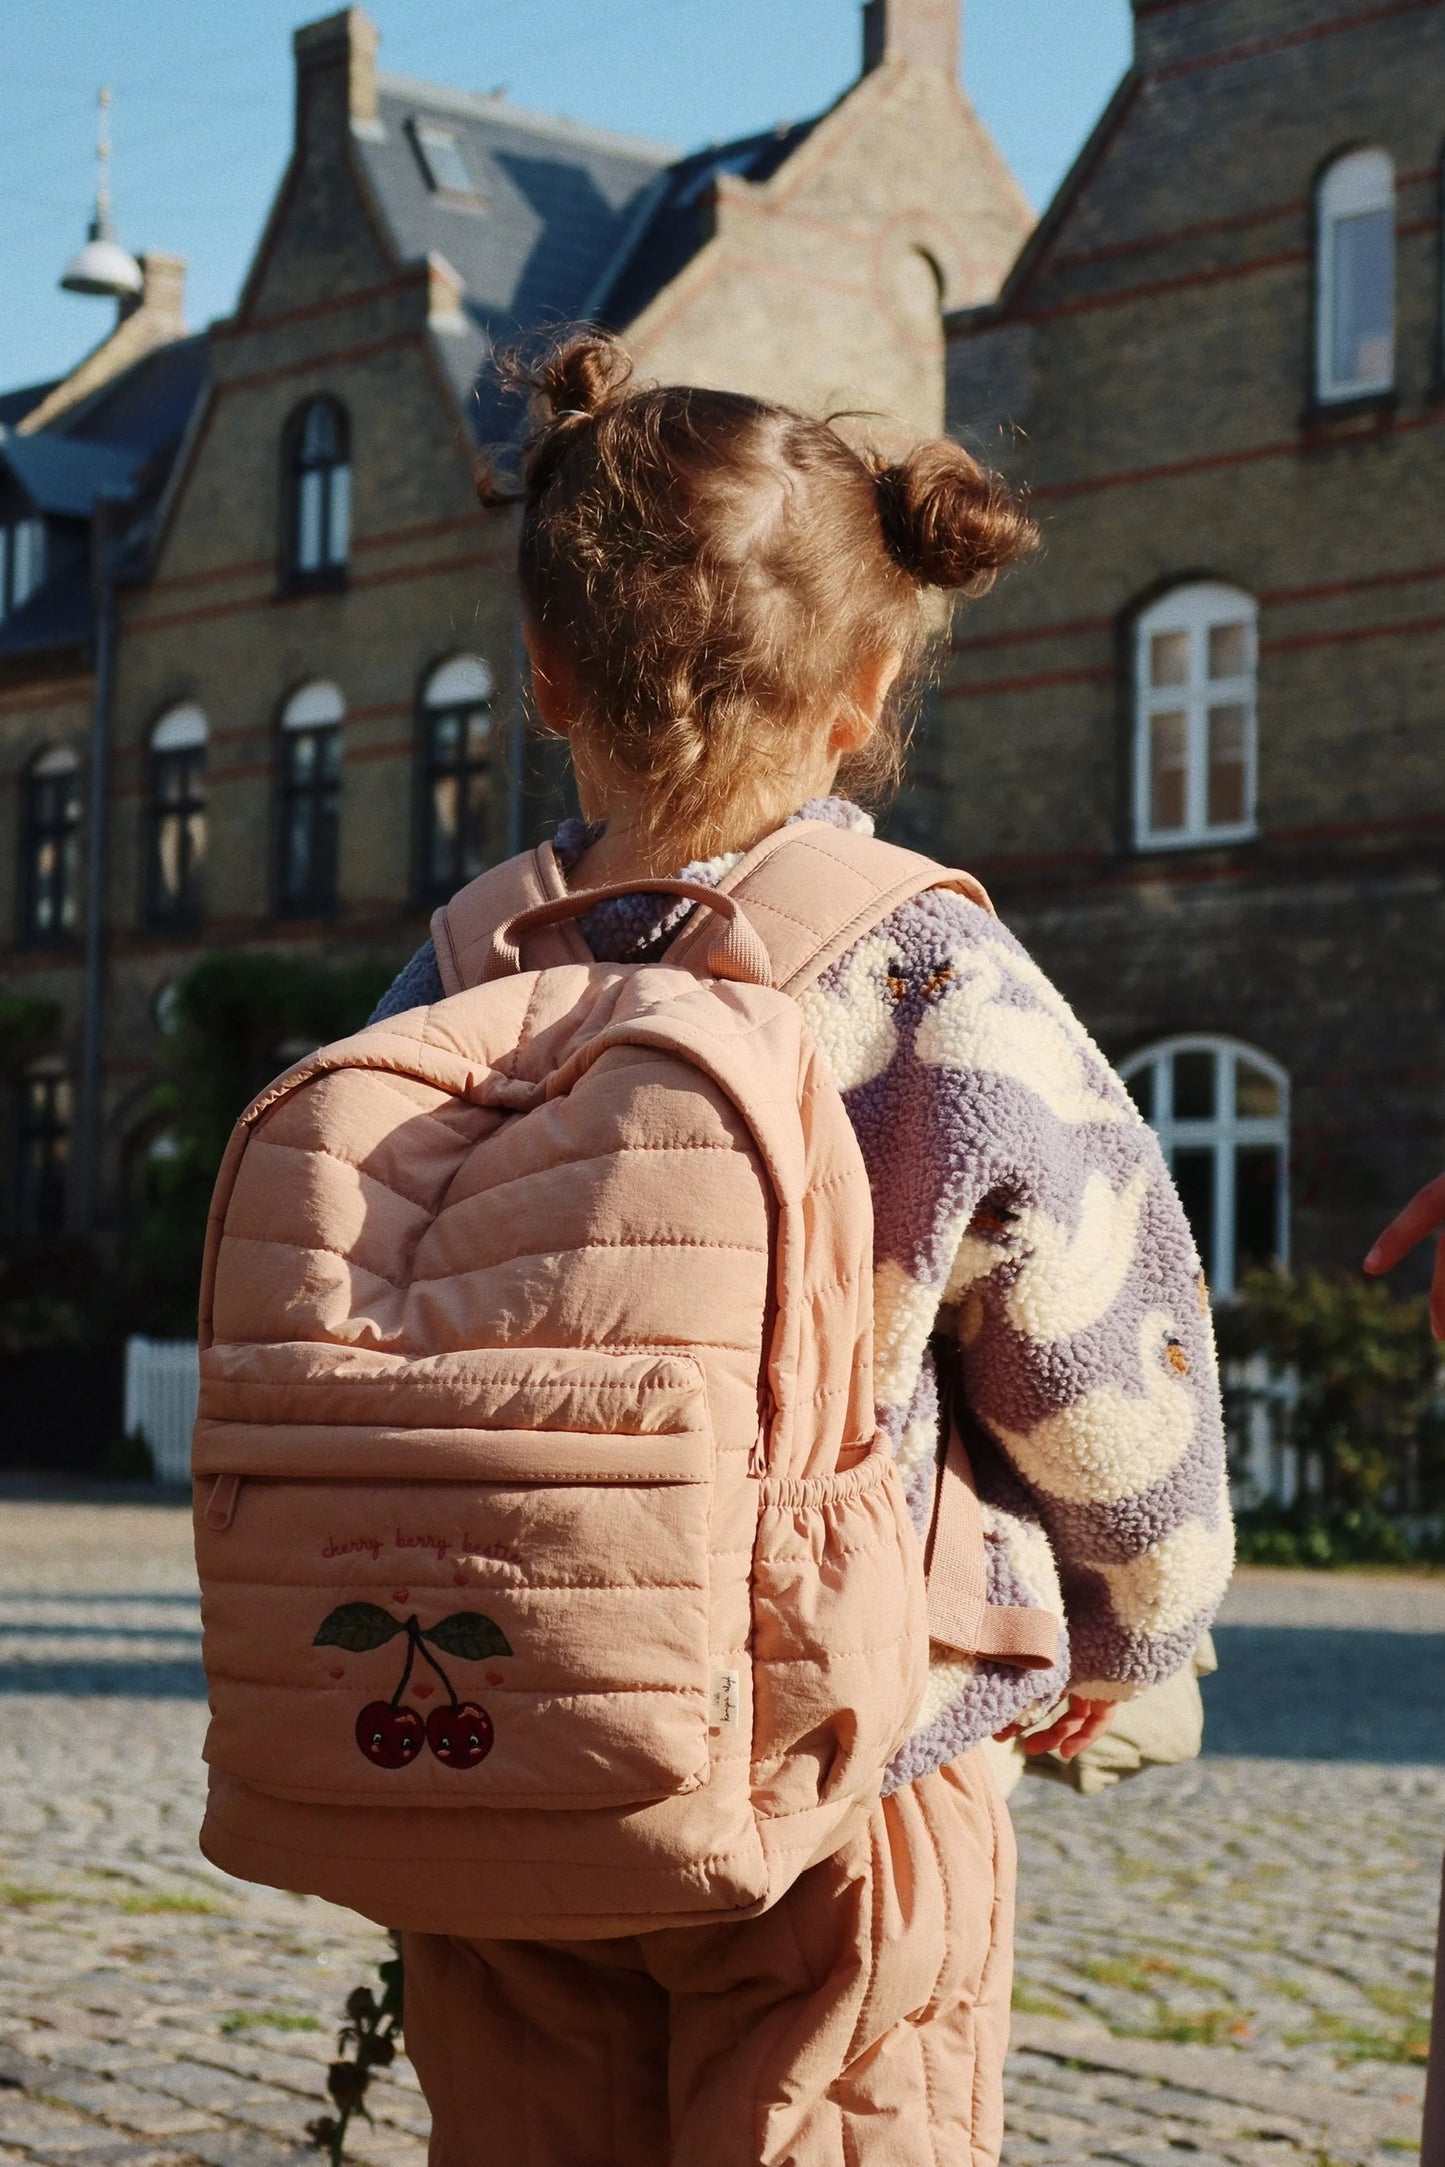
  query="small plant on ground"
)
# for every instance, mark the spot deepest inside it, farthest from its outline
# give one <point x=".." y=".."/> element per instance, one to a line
<point x="373" y="2028"/>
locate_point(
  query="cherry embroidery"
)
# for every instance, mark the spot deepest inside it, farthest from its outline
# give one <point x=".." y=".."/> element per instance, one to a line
<point x="461" y="1735"/>
<point x="391" y="1734"/>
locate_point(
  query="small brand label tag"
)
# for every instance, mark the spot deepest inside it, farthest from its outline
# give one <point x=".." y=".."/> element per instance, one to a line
<point x="724" y="1710"/>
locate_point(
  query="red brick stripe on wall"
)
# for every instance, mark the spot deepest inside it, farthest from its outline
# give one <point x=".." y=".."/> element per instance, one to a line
<point x="76" y="694"/>
<point x="1363" y="19"/>
<point x="1039" y="681"/>
<point x="1211" y="275"/>
<point x="335" y="303"/>
<point x="1347" y="635"/>
<point x="338" y="357"/>
<point x="1285" y="448"/>
<point x="1075" y="628"/>
<point x="394" y="575"/>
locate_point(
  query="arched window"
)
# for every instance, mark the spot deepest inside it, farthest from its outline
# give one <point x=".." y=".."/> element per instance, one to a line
<point x="177" y="817"/>
<point x="1195" y="665"/>
<point x="320" y="496"/>
<point x="1221" y="1111"/>
<point x="51" y="846"/>
<point x="42" y="1134"/>
<point x="310" y="794"/>
<point x="456" y="747"/>
<point x="1355" y="277"/>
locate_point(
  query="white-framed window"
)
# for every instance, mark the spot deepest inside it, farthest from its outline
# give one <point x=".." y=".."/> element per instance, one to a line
<point x="1196" y="656"/>
<point x="310" y="799"/>
<point x="177" y="817"/>
<point x="319" y="541"/>
<point x="45" y="1110"/>
<point x="456" y="752"/>
<point x="1221" y="1112"/>
<point x="51" y="846"/>
<point x="1355" y="276"/>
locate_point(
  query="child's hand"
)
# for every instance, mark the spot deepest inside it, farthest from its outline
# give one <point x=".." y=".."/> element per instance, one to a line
<point x="1423" y="1215"/>
<point x="1078" y="1725"/>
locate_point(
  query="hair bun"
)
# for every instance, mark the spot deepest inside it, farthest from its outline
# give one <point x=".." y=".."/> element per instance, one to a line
<point x="949" y="522"/>
<point x="582" y="376"/>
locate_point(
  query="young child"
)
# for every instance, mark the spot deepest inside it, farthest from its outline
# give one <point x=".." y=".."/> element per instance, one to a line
<point x="722" y="603"/>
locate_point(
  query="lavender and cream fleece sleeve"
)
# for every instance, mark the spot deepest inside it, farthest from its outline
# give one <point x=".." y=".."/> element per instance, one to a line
<point x="1021" y="1200"/>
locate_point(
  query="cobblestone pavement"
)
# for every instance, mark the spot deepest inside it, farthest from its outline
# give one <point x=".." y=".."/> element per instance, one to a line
<point x="1223" y="1963"/>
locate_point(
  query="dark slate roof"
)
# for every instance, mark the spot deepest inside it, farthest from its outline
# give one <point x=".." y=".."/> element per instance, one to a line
<point x="565" y="222"/>
<point x="56" y="615"/>
<point x="119" y="442"/>
<point x="677" y="219"/>
<point x="65" y="475"/>
<point x="554" y="202"/>
<point x="15" y="405"/>
<point x="145" y="409"/>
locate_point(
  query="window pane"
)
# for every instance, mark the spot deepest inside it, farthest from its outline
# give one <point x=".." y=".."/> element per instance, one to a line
<point x="1140" y="1087"/>
<point x="445" y="739"/>
<point x="338" y="526"/>
<point x="1169" y="658"/>
<point x="28" y="569"/>
<point x="1167" y="741"/>
<point x="446" y="163"/>
<point x="1228" y="650"/>
<point x="479" y="733"/>
<point x="474" y="839"/>
<point x="1362" y="335"/>
<point x="1226" y="766"/>
<point x="1256" y="1093"/>
<point x="1256" y="1205"/>
<point x="442" y="855"/>
<point x="320" y="438"/>
<point x="1194" y="1075"/>
<point x="1194" y="1179"/>
<point x="309" y="489"/>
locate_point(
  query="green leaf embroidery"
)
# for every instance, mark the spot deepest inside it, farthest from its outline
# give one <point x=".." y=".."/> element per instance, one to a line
<point x="468" y="1634"/>
<point x="358" y="1627"/>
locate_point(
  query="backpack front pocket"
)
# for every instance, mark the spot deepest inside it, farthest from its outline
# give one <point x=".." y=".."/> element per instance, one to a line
<point x="402" y="1611"/>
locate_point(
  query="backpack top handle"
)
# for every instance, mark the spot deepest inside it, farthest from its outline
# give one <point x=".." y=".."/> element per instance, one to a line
<point x="735" y="953"/>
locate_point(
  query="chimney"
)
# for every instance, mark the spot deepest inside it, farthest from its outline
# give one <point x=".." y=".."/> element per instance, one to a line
<point x="335" y="76"/>
<point x="154" y="317"/>
<point x="926" y="33"/>
<point x="162" y="295"/>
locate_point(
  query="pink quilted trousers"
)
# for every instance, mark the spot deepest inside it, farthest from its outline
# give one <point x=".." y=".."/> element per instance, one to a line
<point x="861" y="2022"/>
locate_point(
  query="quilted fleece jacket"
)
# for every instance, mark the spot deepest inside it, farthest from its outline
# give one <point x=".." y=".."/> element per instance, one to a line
<point x="1024" y="1217"/>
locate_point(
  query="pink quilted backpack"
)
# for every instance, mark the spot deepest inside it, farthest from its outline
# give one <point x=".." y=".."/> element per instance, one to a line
<point x="554" y="1580"/>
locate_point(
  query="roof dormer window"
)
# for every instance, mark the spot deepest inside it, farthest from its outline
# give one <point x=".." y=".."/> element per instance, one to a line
<point x="22" y="563"/>
<point x="443" y="161"/>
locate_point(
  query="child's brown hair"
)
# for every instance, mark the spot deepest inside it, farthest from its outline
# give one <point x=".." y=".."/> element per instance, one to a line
<point x="712" y="570"/>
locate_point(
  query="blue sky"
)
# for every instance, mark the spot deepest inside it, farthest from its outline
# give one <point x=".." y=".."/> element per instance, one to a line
<point x="202" y="108"/>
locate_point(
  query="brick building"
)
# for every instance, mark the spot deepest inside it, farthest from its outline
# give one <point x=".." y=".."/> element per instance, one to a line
<point x="1199" y="750"/>
<point x="289" y="713"/>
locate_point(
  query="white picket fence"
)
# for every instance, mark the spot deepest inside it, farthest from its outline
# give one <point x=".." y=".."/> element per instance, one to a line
<point x="1264" y="1467"/>
<point x="162" y="1382"/>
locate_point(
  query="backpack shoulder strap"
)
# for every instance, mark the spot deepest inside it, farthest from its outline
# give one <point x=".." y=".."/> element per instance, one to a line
<point x="811" y="890"/>
<point x="462" y="930"/>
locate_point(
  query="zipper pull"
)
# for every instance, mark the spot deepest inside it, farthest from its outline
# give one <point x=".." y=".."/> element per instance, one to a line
<point x="221" y="1504"/>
